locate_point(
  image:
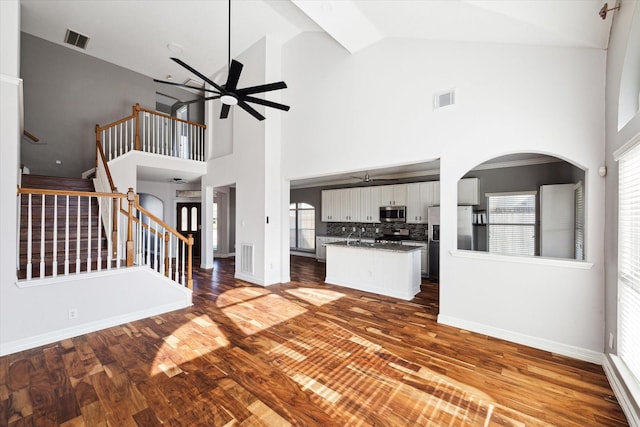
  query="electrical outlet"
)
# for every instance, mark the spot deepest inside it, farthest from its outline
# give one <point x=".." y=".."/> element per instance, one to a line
<point x="73" y="313"/>
<point x="343" y="228"/>
<point x="353" y="229"/>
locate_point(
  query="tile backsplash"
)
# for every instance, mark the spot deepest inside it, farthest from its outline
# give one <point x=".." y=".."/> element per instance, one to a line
<point x="416" y="231"/>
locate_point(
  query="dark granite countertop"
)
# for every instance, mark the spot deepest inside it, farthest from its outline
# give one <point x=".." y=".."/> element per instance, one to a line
<point x="392" y="247"/>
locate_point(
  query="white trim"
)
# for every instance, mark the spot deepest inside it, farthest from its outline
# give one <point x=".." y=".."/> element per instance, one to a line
<point x="16" y="81"/>
<point x="625" y="395"/>
<point x="535" y="260"/>
<point x="626" y="147"/>
<point x="249" y="278"/>
<point x="519" y="338"/>
<point x="38" y="340"/>
<point x="514" y="163"/>
<point x="79" y="276"/>
<point x="512" y="193"/>
<point x="303" y="254"/>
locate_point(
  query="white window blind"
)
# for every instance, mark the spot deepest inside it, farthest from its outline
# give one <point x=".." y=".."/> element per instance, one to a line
<point x="511" y="223"/>
<point x="579" y="221"/>
<point x="629" y="261"/>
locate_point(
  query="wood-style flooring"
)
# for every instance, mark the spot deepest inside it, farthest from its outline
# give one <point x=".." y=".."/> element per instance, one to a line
<point x="300" y="353"/>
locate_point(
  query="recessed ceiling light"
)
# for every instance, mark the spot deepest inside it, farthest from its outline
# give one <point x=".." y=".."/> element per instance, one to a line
<point x="175" y="48"/>
<point x="169" y="77"/>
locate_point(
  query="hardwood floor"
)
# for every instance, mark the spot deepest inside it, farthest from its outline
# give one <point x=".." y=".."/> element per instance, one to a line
<point x="301" y="353"/>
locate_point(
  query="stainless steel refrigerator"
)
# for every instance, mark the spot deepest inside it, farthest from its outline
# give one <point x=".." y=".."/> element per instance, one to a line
<point x="464" y="232"/>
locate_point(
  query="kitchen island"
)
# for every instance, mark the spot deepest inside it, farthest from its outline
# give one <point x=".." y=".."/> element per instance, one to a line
<point x="381" y="268"/>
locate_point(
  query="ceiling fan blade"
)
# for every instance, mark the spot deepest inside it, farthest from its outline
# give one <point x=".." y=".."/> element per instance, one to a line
<point x="234" y="75"/>
<point x="266" y="103"/>
<point x="262" y="88"/>
<point x="198" y="100"/>
<point x="249" y="109"/>
<point x="224" y="112"/>
<point x="198" y="73"/>
<point x="185" y="86"/>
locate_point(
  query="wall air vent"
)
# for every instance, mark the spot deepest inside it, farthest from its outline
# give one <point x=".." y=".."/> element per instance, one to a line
<point x="76" y="39"/>
<point x="444" y="99"/>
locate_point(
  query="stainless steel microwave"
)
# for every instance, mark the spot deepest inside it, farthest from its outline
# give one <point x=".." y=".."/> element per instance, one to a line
<point x="393" y="213"/>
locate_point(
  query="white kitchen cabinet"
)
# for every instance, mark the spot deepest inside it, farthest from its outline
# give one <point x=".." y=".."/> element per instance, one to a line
<point x="393" y="195"/>
<point x="331" y="205"/>
<point x="421" y="195"/>
<point x="350" y="209"/>
<point x="424" y="255"/>
<point x="370" y="204"/>
<point x="468" y="191"/>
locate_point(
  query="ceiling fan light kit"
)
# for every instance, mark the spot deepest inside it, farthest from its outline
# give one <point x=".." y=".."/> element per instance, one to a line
<point x="228" y="93"/>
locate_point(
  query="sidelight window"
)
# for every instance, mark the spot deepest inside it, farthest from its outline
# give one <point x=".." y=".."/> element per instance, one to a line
<point x="629" y="261"/>
<point x="511" y="223"/>
<point x="302" y="227"/>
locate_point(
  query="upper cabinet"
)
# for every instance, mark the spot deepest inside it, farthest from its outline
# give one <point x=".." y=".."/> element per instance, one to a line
<point x="393" y="195"/>
<point x="468" y="191"/>
<point x="370" y="204"/>
<point x="362" y="204"/>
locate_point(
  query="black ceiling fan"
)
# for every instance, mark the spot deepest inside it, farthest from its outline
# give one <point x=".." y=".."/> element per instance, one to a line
<point x="229" y="93"/>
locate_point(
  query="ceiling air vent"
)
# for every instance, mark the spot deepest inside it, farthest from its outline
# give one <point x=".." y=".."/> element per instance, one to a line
<point x="444" y="99"/>
<point x="76" y="39"/>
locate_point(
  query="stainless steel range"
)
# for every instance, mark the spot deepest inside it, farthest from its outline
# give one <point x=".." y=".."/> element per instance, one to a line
<point x="394" y="235"/>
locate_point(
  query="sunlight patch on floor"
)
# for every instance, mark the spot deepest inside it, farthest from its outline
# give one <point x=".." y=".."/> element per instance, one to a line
<point x="261" y="313"/>
<point x="238" y="295"/>
<point x="191" y="340"/>
<point x="314" y="296"/>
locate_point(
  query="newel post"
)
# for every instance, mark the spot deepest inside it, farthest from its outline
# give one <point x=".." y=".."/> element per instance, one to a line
<point x="131" y="196"/>
<point x="136" y="114"/>
<point x="189" y="262"/>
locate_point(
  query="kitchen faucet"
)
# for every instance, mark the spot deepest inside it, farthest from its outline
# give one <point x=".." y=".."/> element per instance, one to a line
<point x="348" y="237"/>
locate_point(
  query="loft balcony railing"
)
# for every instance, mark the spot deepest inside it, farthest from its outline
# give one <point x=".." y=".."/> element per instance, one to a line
<point x="152" y="132"/>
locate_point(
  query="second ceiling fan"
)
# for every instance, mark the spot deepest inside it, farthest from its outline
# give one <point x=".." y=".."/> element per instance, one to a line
<point x="229" y="93"/>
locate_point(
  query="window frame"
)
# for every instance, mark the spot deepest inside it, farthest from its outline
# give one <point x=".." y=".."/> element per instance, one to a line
<point x="297" y="210"/>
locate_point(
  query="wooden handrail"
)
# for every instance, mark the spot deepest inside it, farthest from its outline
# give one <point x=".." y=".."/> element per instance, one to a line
<point x="138" y="108"/>
<point x="100" y="152"/>
<point x="31" y="136"/>
<point x="156" y="220"/>
<point x="116" y="123"/>
<point x="23" y="190"/>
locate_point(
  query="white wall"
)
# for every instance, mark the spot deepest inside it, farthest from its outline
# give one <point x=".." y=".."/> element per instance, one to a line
<point x="374" y="108"/>
<point x="101" y="300"/>
<point x="256" y="172"/>
<point x="9" y="156"/>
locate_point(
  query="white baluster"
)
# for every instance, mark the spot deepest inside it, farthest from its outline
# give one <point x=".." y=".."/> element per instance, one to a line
<point x="78" y="232"/>
<point x="184" y="280"/>
<point x="110" y="233"/>
<point x="169" y="251"/>
<point x="148" y="249"/>
<point x="99" y="261"/>
<point x="42" y="239"/>
<point x="29" y="238"/>
<point x="89" y="234"/>
<point x="120" y="239"/>
<point x="66" y="239"/>
<point x="54" y="263"/>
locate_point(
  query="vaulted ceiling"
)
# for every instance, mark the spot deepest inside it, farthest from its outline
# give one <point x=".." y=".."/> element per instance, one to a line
<point x="143" y="35"/>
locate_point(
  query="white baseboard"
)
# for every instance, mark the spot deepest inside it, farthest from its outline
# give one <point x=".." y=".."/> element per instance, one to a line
<point x="62" y="334"/>
<point x="248" y="278"/>
<point x="625" y="399"/>
<point x="519" y="338"/>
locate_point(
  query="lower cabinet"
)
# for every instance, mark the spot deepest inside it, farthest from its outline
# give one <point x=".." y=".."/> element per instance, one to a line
<point x="321" y="246"/>
<point x="424" y="256"/>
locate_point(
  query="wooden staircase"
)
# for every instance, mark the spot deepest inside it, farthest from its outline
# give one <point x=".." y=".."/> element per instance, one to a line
<point x="69" y="245"/>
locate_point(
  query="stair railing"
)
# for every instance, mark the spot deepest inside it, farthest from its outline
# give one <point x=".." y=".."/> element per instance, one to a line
<point x="73" y="244"/>
<point x="152" y="132"/>
<point x="79" y="243"/>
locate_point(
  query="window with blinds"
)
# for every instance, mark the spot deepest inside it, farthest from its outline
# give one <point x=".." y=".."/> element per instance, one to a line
<point x="629" y="261"/>
<point x="511" y="223"/>
<point x="579" y="221"/>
